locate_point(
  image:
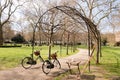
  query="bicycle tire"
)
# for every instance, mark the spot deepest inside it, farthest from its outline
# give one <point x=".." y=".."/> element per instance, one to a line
<point x="25" y="62"/>
<point x="57" y="63"/>
<point x="45" y="68"/>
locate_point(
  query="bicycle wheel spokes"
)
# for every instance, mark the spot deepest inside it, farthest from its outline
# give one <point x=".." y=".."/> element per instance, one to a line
<point x="26" y="62"/>
<point x="56" y="64"/>
<point x="46" y="67"/>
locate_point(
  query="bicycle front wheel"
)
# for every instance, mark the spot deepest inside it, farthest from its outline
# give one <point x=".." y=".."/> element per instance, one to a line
<point x="26" y="62"/>
<point x="56" y="63"/>
<point x="46" y="67"/>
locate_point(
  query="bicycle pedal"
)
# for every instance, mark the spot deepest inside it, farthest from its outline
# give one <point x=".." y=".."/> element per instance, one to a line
<point x="34" y="62"/>
<point x="28" y="62"/>
<point x="49" y="67"/>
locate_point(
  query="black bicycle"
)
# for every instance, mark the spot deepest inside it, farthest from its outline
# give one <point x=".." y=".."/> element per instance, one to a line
<point x="47" y="65"/>
<point x="27" y="62"/>
<point x="50" y="64"/>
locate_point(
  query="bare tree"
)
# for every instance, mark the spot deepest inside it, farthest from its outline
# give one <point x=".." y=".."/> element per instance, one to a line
<point x="50" y="25"/>
<point x="96" y="11"/>
<point x="8" y="33"/>
<point x="7" y="9"/>
<point x="114" y="22"/>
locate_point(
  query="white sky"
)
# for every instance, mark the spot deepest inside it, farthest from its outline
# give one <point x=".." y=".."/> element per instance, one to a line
<point x="19" y="14"/>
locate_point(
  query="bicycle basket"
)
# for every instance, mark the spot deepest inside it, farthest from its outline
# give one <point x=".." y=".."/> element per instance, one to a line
<point x="54" y="56"/>
<point x="37" y="53"/>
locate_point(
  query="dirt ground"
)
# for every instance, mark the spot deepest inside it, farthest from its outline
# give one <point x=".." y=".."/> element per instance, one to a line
<point x="35" y="73"/>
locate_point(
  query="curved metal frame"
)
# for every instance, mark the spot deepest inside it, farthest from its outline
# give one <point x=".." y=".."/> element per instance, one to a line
<point x="91" y="27"/>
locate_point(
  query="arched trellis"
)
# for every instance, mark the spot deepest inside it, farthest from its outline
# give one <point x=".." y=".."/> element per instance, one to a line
<point x="91" y="27"/>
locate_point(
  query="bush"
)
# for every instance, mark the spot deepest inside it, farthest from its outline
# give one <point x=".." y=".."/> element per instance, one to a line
<point x="104" y="42"/>
<point x="18" y="39"/>
<point x="8" y="46"/>
<point x="117" y="43"/>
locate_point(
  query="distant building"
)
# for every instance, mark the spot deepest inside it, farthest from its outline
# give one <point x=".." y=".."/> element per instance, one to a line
<point x="117" y="36"/>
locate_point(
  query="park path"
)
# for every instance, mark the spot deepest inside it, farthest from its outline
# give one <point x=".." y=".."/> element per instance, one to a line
<point x="35" y="73"/>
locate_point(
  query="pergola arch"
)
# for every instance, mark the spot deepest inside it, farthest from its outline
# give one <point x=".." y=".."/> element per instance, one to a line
<point x="91" y="27"/>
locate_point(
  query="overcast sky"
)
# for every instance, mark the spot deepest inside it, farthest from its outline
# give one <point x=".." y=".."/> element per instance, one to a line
<point x="105" y="26"/>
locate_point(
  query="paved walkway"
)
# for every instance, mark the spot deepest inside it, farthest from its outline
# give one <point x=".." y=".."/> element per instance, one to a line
<point x="35" y="73"/>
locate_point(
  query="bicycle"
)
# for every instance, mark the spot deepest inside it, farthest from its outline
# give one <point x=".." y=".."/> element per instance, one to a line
<point x="27" y="62"/>
<point x="47" y="65"/>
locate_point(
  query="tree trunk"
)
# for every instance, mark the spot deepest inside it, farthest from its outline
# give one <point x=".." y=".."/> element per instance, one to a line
<point x="89" y="47"/>
<point x="99" y="54"/>
<point x="74" y="48"/>
<point x="61" y="47"/>
<point x="98" y="51"/>
<point x="50" y="42"/>
<point x="67" y="43"/>
<point x="49" y="51"/>
<point x="40" y="41"/>
<point x="100" y="45"/>
<point x="1" y="35"/>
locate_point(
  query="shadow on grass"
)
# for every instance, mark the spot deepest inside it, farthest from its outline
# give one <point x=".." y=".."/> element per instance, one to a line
<point x="116" y="78"/>
<point x="76" y="77"/>
<point x="88" y="77"/>
<point x="58" y="73"/>
<point x="65" y="75"/>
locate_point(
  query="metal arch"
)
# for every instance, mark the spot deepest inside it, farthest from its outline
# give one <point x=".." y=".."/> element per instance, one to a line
<point x="67" y="10"/>
<point x="91" y="27"/>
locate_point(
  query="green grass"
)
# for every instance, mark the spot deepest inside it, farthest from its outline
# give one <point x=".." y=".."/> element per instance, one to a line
<point x="82" y="46"/>
<point x="11" y="57"/>
<point x="111" y="59"/>
<point x="110" y="62"/>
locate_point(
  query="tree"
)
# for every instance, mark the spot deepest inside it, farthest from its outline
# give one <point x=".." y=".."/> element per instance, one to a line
<point x="7" y="9"/>
<point x="96" y="11"/>
<point x="104" y="41"/>
<point x="18" y="39"/>
<point x="50" y="25"/>
<point x="114" y="21"/>
<point x="8" y="33"/>
<point x="69" y="27"/>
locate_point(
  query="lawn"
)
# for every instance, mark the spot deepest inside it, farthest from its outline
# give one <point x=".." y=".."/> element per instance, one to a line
<point x="11" y="57"/>
<point x="111" y="59"/>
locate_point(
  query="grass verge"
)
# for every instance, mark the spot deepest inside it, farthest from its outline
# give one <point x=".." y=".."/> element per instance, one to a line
<point x="11" y="57"/>
<point x="111" y="60"/>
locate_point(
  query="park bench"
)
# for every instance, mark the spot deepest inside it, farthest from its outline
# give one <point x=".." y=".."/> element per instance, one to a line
<point x="76" y="62"/>
<point x="73" y="62"/>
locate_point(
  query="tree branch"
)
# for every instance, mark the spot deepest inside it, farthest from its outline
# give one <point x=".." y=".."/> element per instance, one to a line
<point x="10" y="12"/>
<point x="82" y="9"/>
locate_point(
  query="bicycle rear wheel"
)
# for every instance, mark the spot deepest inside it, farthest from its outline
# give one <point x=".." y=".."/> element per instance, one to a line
<point x="56" y="63"/>
<point x="46" y="66"/>
<point x="26" y="62"/>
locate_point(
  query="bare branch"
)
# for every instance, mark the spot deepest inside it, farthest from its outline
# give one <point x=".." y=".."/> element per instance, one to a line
<point x="5" y="5"/>
<point x="87" y="4"/>
<point x="81" y="9"/>
<point x="97" y="14"/>
<point x="101" y="19"/>
<point x="11" y="12"/>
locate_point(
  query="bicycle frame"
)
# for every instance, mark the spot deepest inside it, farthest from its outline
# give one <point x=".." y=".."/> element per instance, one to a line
<point x="38" y="57"/>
